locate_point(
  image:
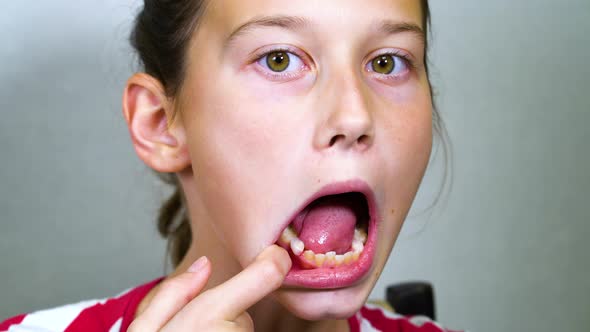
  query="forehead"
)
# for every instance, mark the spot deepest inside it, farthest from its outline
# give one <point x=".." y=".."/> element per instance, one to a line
<point x="330" y="15"/>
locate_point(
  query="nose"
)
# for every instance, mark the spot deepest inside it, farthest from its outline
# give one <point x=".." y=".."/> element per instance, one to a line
<point x="346" y="121"/>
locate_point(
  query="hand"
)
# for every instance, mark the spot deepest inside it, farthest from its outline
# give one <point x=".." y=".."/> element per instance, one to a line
<point x="176" y="306"/>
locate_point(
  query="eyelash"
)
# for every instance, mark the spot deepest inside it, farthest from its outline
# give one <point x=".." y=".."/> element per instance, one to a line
<point x="404" y="57"/>
<point x="407" y="60"/>
<point x="275" y="76"/>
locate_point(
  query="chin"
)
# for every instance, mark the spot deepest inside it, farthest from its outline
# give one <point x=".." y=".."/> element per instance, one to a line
<point x="315" y="304"/>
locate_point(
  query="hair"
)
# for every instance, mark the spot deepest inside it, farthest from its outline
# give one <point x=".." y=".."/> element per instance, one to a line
<point x="160" y="36"/>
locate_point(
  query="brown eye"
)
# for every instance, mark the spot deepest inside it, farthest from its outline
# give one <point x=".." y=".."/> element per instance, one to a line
<point x="383" y="64"/>
<point x="278" y="61"/>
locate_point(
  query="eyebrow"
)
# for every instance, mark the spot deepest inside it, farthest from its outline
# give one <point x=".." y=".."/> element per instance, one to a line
<point x="386" y="27"/>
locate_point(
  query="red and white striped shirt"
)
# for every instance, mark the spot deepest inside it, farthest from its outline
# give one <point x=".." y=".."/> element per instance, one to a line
<point x="116" y="314"/>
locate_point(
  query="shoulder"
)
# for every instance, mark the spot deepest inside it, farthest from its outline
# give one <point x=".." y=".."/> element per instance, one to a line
<point x="98" y="315"/>
<point x="375" y="317"/>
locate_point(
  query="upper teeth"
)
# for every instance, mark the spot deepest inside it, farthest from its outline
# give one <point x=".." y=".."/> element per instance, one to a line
<point x="290" y="239"/>
<point x="288" y="235"/>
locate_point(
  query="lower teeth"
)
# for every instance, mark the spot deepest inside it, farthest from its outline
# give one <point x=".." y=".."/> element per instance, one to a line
<point x="330" y="259"/>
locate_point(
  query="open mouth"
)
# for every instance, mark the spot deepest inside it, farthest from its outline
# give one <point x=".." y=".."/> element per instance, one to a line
<point x="331" y="239"/>
<point x="329" y="232"/>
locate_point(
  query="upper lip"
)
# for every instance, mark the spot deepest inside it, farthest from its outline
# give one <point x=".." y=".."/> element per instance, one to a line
<point x="353" y="185"/>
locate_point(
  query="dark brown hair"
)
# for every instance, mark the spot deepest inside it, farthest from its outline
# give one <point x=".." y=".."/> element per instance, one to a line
<point x="160" y="36"/>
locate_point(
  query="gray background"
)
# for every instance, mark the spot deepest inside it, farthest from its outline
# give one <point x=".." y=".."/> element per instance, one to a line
<point x="505" y="249"/>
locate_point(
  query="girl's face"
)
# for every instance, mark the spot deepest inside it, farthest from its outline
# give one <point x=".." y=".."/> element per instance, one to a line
<point x="287" y="102"/>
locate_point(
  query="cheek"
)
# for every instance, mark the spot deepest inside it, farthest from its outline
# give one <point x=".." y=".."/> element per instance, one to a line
<point x="405" y="152"/>
<point x="238" y="142"/>
<point x="406" y="116"/>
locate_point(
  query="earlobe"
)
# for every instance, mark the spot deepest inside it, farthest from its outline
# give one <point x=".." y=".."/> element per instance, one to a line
<point x="147" y="111"/>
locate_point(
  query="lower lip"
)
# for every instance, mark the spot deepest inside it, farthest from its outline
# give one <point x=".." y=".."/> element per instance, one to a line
<point x="347" y="275"/>
<point x="343" y="276"/>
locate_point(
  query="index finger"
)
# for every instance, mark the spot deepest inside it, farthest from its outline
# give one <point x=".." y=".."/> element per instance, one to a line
<point x="256" y="281"/>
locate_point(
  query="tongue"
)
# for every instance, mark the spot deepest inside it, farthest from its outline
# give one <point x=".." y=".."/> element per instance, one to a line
<point x="327" y="225"/>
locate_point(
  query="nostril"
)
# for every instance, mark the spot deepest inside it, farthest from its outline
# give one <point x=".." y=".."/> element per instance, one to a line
<point x="363" y="140"/>
<point x="335" y="139"/>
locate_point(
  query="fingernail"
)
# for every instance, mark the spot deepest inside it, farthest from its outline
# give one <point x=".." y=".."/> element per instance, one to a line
<point x="198" y="264"/>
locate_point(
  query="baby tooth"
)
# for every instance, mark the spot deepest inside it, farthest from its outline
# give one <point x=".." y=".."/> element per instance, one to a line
<point x="297" y="246"/>
<point x="357" y="246"/>
<point x="348" y="258"/>
<point x="288" y="235"/>
<point x="355" y="256"/>
<point x="319" y="259"/>
<point x="339" y="259"/>
<point x="309" y="256"/>
<point x="330" y="258"/>
<point x="360" y="235"/>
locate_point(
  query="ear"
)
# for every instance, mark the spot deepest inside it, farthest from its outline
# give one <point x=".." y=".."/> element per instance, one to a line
<point x="147" y="110"/>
